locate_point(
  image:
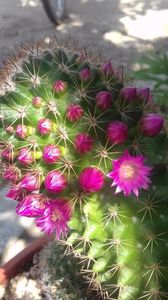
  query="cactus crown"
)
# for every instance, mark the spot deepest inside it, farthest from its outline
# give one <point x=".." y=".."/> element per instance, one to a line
<point x="83" y="150"/>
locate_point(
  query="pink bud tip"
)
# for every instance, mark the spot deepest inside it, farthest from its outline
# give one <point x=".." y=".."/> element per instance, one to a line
<point x="85" y="74"/>
<point x="55" y="182"/>
<point x="117" y="132"/>
<point x="32" y="205"/>
<point x="30" y="182"/>
<point x="144" y="94"/>
<point x="104" y="100"/>
<point x="51" y="153"/>
<point x="59" y="86"/>
<point x="151" y="124"/>
<point x="25" y="156"/>
<point x="10" y="129"/>
<point x="37" y="102"/>
<point x="44" y="126"/>
<point x="74" y="112"/>
<point x="128" y="93"/>
<point x="12" y="173"/>
<point x="107" y="69"/>
<point x="21" y="131"/>
<point x="83" y="143"/>
<point x="91" y="180"/>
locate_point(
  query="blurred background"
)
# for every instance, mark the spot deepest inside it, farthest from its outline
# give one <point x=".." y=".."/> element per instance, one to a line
<point x="122" y="30"/>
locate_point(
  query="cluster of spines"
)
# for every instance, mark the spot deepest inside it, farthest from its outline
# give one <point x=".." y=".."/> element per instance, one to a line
<point x="98" y="96"/>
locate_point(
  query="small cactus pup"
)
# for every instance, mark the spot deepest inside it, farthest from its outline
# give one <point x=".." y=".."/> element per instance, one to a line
<point x="86" y="157"/>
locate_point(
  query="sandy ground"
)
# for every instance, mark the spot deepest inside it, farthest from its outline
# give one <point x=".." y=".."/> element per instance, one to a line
<point x="121" y="29"/>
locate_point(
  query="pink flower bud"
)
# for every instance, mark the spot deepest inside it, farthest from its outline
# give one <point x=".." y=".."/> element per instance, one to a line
<point x="32" y="205"/>
<point x="107" y="69"/>
<point x="117" y="132"/>
<point x="128" y="93"/>
<point x="10" y="129"/>
<point x="21" y="131"/>
<point x="59" y="86"/>
<point x="30" y="182"/>
<point x="91" y="180"/>
<point x="143" y="94"/>
<point x="51" y="153"/>
<point x="25" y="156"/>
<point x="37" y="102"/>
<point x="151" y="124"/>
<point x="7" y="153"/>
<point x="12" y="173"/>
<point x="85" y="74"/>
<point x="55" y="182"/>
<point x="104" y="100"/>
<point x="74" y="112"/>
<point x="83" y="143"/>
<point x="44" y="126"/>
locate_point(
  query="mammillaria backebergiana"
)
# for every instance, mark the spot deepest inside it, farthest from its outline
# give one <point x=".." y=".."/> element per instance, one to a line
<point x="85" y="156"/>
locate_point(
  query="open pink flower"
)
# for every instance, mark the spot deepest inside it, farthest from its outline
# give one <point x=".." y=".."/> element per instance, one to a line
<point x="91" y="179"/>
<point x="32" y="205"/>
<point x="129" y="174"/>
<point x="55" y="182"/>
<point x="55" y="217"/>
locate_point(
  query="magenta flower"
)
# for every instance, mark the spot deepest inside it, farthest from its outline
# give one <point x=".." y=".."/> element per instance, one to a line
<point x="104" y="100"/>
<point x="32" y="205"/>
<point x="83" y="143"/>
<point x="74" y="112"/>
<point x="37" y="102"/>
<point x="107" y="69"/>
<point x="44" y="126"/>
<point x="25" y="156"/>
<point x="12" y="173"/>
<point x="21" y="131"/>
<point x="128" y="93"/>
<point x="55" y="182"/>
<point x="151" y="124"/>
<point x="51" y="153"/>
<point x="117" y="132"/>
<point x="85" y="74"/>
<point x="129" y="174"/>
<point x="55" y="218"/>
<point x="91" y="179"/>
<point x="59" y="86"/>
<point x="30" y="182"/>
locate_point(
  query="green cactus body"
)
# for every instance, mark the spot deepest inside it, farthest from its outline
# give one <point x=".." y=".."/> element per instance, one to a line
<point x="120" y="239"/>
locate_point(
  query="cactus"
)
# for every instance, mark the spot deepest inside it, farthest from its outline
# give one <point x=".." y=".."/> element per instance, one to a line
<point x="87" y="158"/>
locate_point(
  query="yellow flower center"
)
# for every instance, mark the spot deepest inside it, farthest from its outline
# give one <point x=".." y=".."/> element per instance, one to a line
<point x="55" y="215"/>
<point x="127" y="171"/>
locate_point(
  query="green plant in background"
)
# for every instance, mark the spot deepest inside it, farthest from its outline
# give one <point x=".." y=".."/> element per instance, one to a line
<point x="87" y="158"/>
<point x="154" y="70"/>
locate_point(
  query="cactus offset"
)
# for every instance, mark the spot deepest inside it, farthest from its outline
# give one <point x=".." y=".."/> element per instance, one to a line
<point x="84" y="152"/>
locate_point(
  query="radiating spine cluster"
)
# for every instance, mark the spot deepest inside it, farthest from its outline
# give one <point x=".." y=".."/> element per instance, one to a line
<point x="85" y="152"/>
